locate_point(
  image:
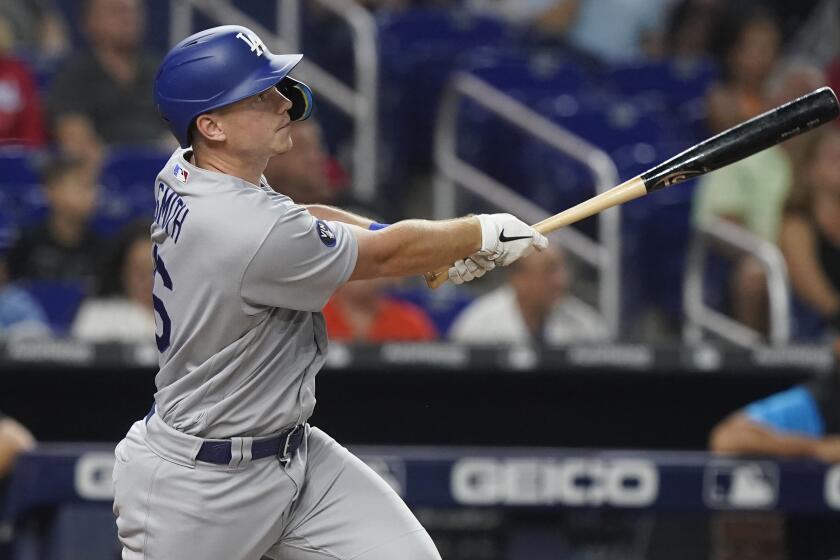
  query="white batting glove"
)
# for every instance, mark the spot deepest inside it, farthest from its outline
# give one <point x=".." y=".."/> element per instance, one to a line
<point x="505" y="238"/>
<point x="465" y="270"/>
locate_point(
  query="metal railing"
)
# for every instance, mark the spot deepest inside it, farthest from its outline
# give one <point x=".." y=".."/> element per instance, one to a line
<point x="700" y="317"/>
<point x="452" y="173"/>
<point x="359" y="102"/>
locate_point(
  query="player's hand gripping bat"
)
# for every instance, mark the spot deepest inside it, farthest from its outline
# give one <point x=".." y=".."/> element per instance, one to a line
<point x="734" y="144"/>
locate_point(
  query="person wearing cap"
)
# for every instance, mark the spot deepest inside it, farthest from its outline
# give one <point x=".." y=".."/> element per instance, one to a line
<point x="226" y="466"/>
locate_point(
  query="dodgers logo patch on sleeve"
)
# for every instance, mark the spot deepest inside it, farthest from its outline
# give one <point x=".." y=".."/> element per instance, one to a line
<point x="325" y="233"/>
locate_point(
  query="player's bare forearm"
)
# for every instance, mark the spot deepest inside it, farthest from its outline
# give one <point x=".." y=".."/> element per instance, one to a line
<point x="738" y="434"/>
<point x="324" y="212"/>
<point x="413" y="247"/>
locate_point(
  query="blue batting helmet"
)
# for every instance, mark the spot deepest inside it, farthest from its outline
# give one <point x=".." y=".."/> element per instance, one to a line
<point x="217" y="67"/>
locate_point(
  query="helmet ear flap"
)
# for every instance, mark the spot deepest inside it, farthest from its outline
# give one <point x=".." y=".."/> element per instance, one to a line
<point x="300" y="95"/>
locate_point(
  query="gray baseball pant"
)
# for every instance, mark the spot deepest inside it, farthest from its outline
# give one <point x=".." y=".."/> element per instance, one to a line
<point x="323" y="504"/>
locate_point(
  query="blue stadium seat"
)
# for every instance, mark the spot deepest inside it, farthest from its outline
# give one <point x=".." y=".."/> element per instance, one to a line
<point x="527" y="76"/>
<point x="675" y="81"/>
<point x="441" y="309"/>
<point x="535" y="79"/>
<point x="664" y="238"/>
<point x="128" y="187"/>
<point x="23" y="203"/>
<point x="679" y="87"/>
<point x="8" y="220"/>
<point x="17" y="167"/>
<point x="60" y="301"/>
<point x="418" y="50"/>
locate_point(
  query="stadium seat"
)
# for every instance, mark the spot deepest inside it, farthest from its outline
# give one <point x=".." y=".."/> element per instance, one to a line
<point x="17" y="167"/>
<point x="441" y="309"/>
<point x="418" y="50"/>
<point x="8" y="222"/>
<point x="675" y="81"/>
<point x="679" y="87"/>
<point x="22" y="201"/>
<point x="60" y="300"/>
<point x="128" y="187"/>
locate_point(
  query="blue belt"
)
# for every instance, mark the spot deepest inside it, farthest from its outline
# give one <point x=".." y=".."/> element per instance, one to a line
<point x="282" y="446"/>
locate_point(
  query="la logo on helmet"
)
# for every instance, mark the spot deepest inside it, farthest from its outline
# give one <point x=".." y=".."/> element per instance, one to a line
<point x="253" y="42"/>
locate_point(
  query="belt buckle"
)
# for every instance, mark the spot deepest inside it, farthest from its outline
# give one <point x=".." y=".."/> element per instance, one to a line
<point x="284" y="457"/>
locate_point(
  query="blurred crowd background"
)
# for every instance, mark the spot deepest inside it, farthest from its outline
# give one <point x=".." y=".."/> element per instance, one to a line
<point x="638" y="81"/>
<point x="633" y="81"/>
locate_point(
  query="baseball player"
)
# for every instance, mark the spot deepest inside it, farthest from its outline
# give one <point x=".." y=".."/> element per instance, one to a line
<point x="225" y="466"/>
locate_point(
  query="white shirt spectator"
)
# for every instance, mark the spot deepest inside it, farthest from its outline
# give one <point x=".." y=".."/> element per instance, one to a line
<point x="114" y="319"/>
<point x="496" y="318"/>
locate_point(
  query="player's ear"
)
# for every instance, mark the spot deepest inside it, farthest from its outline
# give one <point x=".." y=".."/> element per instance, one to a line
<point x="208" y="126"/>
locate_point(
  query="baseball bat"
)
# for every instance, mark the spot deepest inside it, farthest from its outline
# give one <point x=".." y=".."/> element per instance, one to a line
<point x="750" y="137"/>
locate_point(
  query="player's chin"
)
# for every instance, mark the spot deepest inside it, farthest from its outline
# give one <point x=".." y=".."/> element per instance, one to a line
<point x="282" y="141"/>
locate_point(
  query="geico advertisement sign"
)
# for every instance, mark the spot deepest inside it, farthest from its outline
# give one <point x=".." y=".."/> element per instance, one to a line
<point x="832" y="487"/>
<point x="574" y="482"/>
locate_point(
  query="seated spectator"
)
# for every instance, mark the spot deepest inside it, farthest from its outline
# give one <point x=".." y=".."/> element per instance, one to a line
<point x="123" y="309"/>
<point x="746" y="46"/>
<point x="103" y="95"/>
<point x="619" y="32"/>
<point x="800" y="422"/>
<point x="20" y="314"/>
<point x="36" y="26"/>
<point x="21" y="121"/>
<point x="14" y="440"/>
<point x="548" y="16"/>
<point x="533" y="307"/>
<point x="64" y="247"/>
<point x="752" y="193"/>
<point x="361" y="311"/>
<point x="810" y="233"/>
<point x="310" y="175"/>
<point x="689" y="29"/>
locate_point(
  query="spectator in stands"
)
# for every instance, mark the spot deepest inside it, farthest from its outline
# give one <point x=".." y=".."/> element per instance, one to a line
<point x="752" y="193"/>
<point x="36" y="26"/>
<point x="310" y="175"/>
<point x="534" y="306"/>
<point x="361" y="311"/>
<point x="20" y="314"/>
<point x="800" y="422"/>
<point x="21" y="121"/>
<point x="619" y="32"/>
<point x="746" y="47"/>
<point x="64" y="247"/>
<point x="608" y="31"/>
<point x="14" y="440"/>
<point x="689" y="29"/>
<point x="103" y="95"/>
<point x="123" y="309"/>
<point x="810" y="232"/>
<point x="552" y="17"/>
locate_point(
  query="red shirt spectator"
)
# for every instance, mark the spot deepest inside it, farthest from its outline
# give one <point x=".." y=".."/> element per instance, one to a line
<point x="21" y="119"/>
<point x="358" y="312"/>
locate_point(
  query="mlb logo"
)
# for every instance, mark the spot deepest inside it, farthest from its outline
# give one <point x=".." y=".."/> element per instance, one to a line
<point x="741" y="485"/>
<point x="180" y="173"/>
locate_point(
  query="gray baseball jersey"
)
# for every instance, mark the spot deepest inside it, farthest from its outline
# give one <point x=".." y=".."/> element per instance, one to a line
<point x="241" y="275"/>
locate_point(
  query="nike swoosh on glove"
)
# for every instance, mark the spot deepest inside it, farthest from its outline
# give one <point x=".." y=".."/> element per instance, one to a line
<point x="505" y="238"/>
